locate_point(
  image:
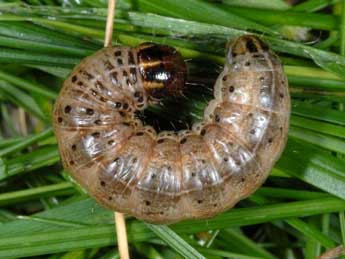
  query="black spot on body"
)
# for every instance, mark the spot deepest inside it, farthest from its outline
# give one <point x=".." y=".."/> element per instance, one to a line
<point x="118" y="53"/>
<point x="116" y="159"/>
<point x="89" y="111"/>
<point x="133" y="74"/>
<point x="74" y="79"/>
<point x="259" y="56"/>
<point x="125" y="106"/>
<point x="68" y="109"/>
<point x="87" y="75"/>
<point x="251" y="46"/>
<point x="137" y="94"/>
<point x="103" y="184"/>
<point x="96" y="134"/>
<point x="113" y="76"/>
<point x="60" y="120"/>
<point x="131" y="60"/>
<point x="108" y="65"/>
<point x="122" y="114"/>
<point x="183" y="141"/>
<point x="99" y="85"/>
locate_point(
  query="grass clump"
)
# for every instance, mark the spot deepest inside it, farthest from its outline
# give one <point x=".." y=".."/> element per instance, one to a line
<point x="297" y="214"/>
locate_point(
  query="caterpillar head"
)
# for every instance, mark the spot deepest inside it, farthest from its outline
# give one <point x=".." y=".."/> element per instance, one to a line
<point x="163" y="70"/>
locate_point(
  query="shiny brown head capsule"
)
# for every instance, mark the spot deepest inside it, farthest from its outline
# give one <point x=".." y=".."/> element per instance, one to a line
<point x="163" y="70"/>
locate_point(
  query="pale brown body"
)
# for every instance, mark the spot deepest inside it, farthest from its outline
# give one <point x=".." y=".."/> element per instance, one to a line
<point x="168" y="177"/>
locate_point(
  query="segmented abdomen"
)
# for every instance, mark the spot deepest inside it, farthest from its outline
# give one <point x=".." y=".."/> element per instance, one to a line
<point x="168" y="177"/>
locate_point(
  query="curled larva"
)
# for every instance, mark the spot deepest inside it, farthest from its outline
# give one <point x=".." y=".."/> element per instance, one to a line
<point x="168" y="177"/>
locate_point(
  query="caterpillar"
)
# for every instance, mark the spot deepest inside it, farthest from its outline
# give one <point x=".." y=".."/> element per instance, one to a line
<point x="168" y="176"/>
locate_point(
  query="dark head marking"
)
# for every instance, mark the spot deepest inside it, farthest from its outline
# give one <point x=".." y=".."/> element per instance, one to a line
<point x="163" y="70"/>
<point x="251" y="46"/>
<point x="245" y="44"/>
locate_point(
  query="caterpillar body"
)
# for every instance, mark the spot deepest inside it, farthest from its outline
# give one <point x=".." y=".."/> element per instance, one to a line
<point x="167" y="177"/>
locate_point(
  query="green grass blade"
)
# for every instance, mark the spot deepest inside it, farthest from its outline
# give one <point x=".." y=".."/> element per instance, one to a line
<point x="265" y="4"/>
<point x="321" y="140"/>
<point x="44" y="156"/>
<point x="42" y="47"/>
<point x="23" y="57"/>
<point x="318" y="126"/>
<point x="22" y="99"/>
<point x="244" y="244"/>
<point x="26" y="142"/>
<point x="27" y="85"/>
<point x="201" y="11"/>
<point x="64" y="188"/>
<point x="50" y="237"/>
<point x="302" y="161"/>
<point x="318" y="113"/>
<point x="313" y="5"/>
<point x="267" y="17"/>
<point x="36" y="33"/>
<point x="175" y="241"/>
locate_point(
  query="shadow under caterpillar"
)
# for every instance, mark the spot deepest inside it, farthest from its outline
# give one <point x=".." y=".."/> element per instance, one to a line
<point x="171" y="176"/>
